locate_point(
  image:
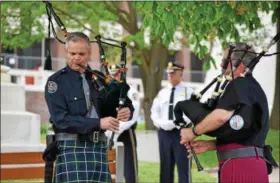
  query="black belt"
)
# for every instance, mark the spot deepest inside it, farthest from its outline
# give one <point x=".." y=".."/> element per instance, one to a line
<point x="240" y="153"/>
<point x="92" y="137"/>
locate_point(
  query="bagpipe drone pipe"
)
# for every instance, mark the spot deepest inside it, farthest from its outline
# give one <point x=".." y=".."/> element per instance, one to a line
<point x="114" y="93"/>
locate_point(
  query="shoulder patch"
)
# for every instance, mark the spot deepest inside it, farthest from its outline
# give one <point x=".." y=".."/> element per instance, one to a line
<point x="236" y="122"/>
<point x="52" y="87"/>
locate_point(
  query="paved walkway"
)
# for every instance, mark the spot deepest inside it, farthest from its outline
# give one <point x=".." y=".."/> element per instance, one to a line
<point x="148" y="151"/>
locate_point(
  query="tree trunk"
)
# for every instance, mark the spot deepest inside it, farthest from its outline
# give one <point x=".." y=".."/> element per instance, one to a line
<point x="151" y="77"/>
<point x="274" y="118"/>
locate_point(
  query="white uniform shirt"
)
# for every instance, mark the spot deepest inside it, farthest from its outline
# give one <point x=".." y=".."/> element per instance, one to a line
<point x="133" y="95"/>
<point x="160" y="106"/>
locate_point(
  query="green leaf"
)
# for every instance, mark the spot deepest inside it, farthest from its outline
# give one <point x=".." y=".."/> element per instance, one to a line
<point x="227" y="26"/>
<point x="212" y="61"/>
<point x="211" y="13"/>
<point x="206" y="66"/>
<point x="148" y="5"/>
<point x="220" y="33"/>
<point x="203" y="52"/>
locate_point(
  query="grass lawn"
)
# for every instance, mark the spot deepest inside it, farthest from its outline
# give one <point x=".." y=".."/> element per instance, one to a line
<point x="149" y="172"/>
<point x="273" y="140"/>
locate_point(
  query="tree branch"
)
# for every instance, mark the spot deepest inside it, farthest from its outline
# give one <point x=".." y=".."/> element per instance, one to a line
<point x="122" y="19"/>
<point x="133" y="18"/>
<point x="89" y="7"/>
<point x="144" y="64"/>
<point x="120" y="10"/>
<point x="74" y="18"/>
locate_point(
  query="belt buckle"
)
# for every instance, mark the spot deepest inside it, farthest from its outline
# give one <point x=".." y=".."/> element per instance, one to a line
<point x="95" y="137"/>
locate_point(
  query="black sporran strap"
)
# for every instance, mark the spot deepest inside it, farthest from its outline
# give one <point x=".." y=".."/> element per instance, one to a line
<point x="270" y="161"/>
<point x="49" y="156"/>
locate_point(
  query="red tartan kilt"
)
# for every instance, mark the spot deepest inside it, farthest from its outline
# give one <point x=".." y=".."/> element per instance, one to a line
<point x="243" y="170"/>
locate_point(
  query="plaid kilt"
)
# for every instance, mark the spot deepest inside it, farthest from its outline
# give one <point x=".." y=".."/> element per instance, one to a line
<point x="83" y="162"/>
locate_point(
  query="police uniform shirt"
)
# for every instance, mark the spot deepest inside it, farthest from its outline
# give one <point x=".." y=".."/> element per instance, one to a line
<point x="160" y="106"/>
<point x="242" y="92"/>
<point x="66" y="101"/>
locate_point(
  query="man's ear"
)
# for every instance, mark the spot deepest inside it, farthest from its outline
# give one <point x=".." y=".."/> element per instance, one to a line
<point x="89" y="51"/>
<point x="181" y="73"/>
<point x="242" y="66"/>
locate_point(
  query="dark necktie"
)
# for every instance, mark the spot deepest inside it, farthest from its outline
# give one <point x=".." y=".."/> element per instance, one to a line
<point x="170" y="112"/>
<point x="86" y="90"/>
<point x="91" y="109"/>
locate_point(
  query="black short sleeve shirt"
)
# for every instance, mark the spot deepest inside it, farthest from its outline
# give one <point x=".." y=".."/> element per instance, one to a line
<point x="247" y="92"/>
<point x="236" y="93"/>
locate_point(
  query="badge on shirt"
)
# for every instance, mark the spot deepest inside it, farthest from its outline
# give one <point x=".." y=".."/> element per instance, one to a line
<point x="52" y="87"/>
<point x="236" y="122"/>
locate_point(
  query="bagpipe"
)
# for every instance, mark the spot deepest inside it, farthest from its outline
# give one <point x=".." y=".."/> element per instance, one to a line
<point x="113" y="93"/>
<point x="196" y="111"/>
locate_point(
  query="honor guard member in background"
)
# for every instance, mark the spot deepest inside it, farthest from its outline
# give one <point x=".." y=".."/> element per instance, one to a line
<point x="126" y="133"/>
<point x="74" y="103"/>
<point x="170" y="149"/>
<point x="241" y="157"/>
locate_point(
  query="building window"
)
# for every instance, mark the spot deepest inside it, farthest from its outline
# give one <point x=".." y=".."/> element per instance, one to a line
<point x="197" y="73"/>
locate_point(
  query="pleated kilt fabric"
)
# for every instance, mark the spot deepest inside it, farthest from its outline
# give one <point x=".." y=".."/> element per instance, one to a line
<point x="82" y="162"/>
<point x="242" y="170"/>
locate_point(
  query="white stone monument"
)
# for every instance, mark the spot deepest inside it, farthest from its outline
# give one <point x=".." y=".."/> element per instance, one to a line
<point x="20" y="130"/>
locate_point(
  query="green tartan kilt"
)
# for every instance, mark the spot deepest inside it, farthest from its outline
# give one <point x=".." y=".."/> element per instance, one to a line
<point x="83" y="162"/>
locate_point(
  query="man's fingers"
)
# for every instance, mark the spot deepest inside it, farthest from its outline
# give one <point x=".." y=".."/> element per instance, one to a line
<point x="115" y="124"/>
<point x="193" y="142"/>
<point x="123" y="117"/>
<point x="114" y="128"/>
<point x="114" y="120"/>
<point x="182" y="141"/>
<point x="187" y="146"/>
<point x="123" y="113"/>
<point x="189" y="153"/>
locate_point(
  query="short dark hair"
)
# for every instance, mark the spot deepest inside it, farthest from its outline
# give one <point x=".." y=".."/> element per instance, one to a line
<point x="248" y="57"/>
<point x="77" y="36"/>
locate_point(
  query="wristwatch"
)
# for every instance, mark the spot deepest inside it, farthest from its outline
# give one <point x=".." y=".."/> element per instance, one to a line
<point x="194" y="131"/>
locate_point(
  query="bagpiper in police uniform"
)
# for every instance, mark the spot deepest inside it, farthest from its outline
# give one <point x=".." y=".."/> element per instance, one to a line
<point x="126" y="133"/>
<point x="74" y="106"/>
<point x="171" y="151"/>
<point x="242" y="113"/>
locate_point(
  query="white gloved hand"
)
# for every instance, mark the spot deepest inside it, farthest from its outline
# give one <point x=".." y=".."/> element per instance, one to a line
<point x="108" y="134"/>
<point x="167" y="125"/>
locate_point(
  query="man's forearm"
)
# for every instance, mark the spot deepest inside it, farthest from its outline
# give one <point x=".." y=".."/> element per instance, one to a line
<point x="213" y="121"/>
